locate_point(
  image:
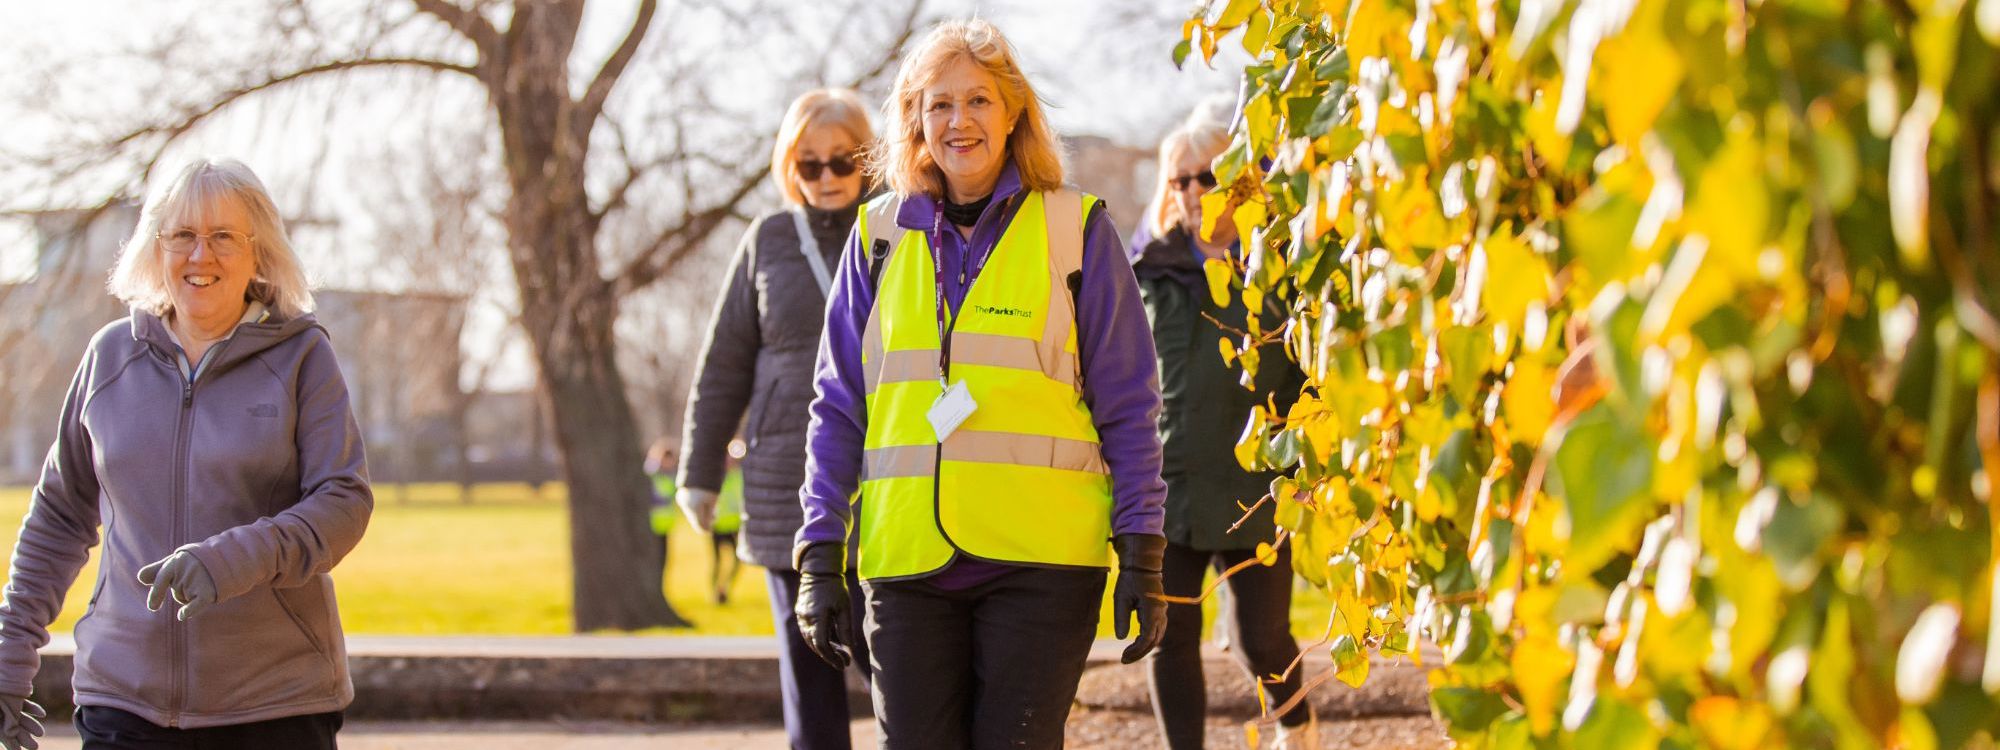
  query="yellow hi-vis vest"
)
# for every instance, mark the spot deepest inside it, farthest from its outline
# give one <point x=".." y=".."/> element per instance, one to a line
<point x="1023" y="480"/>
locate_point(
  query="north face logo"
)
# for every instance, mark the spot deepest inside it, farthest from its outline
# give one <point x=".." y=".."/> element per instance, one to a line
<point x="1012" y="312"/>
<point x="264" y="411"/>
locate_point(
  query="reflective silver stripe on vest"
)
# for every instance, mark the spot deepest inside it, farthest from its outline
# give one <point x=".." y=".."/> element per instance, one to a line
<point x="985" y="447"/>
<point x="990" y="350"/>
<point x="901" y="366"/>
<point x="1062" y="212"/>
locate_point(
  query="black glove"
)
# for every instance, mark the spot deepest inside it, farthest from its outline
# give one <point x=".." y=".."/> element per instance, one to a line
<point x="1139" y="592"/>
<point x="822" y="609"/>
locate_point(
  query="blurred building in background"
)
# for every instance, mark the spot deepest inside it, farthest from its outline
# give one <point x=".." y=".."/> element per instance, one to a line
<point x="398" y="351"/>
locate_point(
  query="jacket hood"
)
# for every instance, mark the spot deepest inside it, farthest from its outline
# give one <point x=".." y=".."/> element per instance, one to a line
<point x="249" y="339"/>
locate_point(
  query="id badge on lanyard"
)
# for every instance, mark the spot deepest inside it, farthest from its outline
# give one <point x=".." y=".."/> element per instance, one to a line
<point x="954" y="405"/>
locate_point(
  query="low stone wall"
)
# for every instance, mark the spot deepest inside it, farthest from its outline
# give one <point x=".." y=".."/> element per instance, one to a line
<point x="684" y="679"/>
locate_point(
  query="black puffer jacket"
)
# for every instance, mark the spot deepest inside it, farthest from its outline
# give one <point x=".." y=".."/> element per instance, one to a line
<point x="756" y="370"/>
<point x="1203" y="407"/>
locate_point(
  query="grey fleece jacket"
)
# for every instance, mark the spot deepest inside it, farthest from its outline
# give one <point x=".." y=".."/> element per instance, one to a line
<point x="255" y="467"/>
<point x="758" y="361"/>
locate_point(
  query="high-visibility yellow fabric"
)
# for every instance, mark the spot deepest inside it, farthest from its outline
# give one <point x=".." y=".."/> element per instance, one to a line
<point x="1023" y="479"/>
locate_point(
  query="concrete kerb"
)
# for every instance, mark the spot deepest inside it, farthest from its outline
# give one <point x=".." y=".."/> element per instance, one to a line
<point x="698" y="678"/>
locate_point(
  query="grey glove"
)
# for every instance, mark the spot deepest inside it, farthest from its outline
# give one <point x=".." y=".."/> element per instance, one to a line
<point x="699" y="506"/>
<point x="20" y="722"/>
<point x="185" y="578"/>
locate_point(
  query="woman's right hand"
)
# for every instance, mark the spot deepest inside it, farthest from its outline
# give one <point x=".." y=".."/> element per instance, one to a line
<point x="699" y="506"/>
<point x="20" y="722"/>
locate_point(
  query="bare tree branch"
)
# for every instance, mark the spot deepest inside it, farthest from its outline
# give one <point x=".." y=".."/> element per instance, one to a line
<point x="467" y="22"/>
<point x="187" y="122"/>
<point x="894" y="52"/>
<point x="600" y="88"/>
<point x="673" y="245"/>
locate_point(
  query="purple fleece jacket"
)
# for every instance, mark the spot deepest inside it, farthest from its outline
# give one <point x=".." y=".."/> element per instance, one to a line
<point x="1120" y="377"/>
<point x="255" y="467"/>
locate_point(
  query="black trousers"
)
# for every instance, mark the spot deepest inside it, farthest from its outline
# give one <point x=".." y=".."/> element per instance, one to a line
<point x="815" y="693"/>
<point x="991" y="666"/>
<point x="1264" y="643"/>
<point x="105" y="728"/>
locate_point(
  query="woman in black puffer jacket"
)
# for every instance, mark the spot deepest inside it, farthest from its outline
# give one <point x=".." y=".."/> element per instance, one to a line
<point x="758" y="361"/>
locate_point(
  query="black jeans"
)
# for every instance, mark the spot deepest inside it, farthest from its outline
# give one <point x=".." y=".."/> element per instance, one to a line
<point x="816" y="715"/>
<point x="991" y="666"/>
<point x="1264" y="644"/>
<point x="105" y="728"/>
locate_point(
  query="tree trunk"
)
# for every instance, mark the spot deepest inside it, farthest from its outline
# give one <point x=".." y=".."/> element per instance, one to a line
<point x="616" y="557"/>
<point x="569" y="311"/>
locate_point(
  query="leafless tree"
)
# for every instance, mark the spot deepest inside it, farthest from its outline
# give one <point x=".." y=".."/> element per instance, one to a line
<point x="659" y="131"/>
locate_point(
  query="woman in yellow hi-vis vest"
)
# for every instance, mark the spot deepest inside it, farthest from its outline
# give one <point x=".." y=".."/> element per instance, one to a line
<point x="986" y="415"/>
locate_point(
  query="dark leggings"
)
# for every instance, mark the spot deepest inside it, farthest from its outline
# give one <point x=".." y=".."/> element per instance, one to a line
<point x="1264" y="644"/>
<point x="106" y="728"/>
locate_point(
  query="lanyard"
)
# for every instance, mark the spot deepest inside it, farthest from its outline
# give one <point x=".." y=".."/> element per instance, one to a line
<point x="946" y="321"/>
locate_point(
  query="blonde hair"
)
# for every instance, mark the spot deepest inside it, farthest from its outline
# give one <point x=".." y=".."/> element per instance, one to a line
<point x="140" y="277"/>
<point x="838" y="108"/>
<point x="1200" y="134"/>
<point x="906" y="166"/>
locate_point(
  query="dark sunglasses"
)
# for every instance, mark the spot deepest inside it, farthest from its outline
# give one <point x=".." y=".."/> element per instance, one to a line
<point x="1207" y="180"/>
<point x="842" y="166"/>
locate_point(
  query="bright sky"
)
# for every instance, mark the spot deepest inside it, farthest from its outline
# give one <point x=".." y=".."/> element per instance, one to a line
<point x="1103" y="66"/>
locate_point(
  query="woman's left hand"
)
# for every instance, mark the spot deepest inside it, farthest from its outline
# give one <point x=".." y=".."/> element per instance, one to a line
<point x="182" y="576"/>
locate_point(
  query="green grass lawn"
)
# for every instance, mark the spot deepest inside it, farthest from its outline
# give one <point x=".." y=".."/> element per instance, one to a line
<point x="431" y="565"/>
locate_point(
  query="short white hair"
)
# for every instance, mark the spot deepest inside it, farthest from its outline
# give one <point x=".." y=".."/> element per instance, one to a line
<point x="140" y="276"/>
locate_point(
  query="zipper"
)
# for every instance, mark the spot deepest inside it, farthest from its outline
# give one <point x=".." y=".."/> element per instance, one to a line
<point x="184" y="435"/>
<point x="178" y="643"/>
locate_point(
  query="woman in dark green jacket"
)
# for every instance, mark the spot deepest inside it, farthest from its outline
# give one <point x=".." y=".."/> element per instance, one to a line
<point x="1204" y="409"/>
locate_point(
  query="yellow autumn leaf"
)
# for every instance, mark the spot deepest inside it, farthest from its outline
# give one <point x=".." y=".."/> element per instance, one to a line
<point x="1541" y="666"/>
<point x="1333" y="497"/>
<point x="1726" y="723"/>
<point x="1516" y="276"/>
<point x="1267" y="555"/>
<point x="1249" y="218"/>
<point x="1219" y="275"/>
<point x="1528" y="400"/>
<point x="1213" y="205"/>
<point x="1228" y="350"/>
<point x="1314" y="422"/>
<point x="1637" y="75"/>
<point x="1248" y="443"/>
<point x="1411" y="217"/>
<point x="1368" y="27"/>
<point x="1733" y="209"/>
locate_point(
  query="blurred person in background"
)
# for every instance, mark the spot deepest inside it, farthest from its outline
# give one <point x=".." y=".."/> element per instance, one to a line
<point x="987" y="384"/>
<point x="758" y="361"/>
<point x="1203" y="411"/>
<point x="210" y="435"/>
<point x="723" y="564"/>
<point x="660" y="467"/>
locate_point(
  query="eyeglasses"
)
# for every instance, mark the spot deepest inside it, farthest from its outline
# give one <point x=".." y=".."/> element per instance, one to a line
<point x="222" y="242"/>
<point x="841" y="166"/>
<point x="1207" y="180"/>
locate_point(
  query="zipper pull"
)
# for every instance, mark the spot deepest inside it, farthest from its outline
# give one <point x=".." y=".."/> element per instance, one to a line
<point x="187" y="394"/>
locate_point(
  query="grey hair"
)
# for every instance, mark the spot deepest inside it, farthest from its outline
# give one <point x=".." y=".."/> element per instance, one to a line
<point x="140" y="279"/>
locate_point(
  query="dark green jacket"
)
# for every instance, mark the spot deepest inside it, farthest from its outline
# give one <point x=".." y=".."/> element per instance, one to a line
<point x="1203" y="407"/>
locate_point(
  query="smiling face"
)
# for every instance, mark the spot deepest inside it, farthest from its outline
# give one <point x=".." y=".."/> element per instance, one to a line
<point x="824" y="145"/>
<point x="209" y="279"/>
<point x="966" y="125"/>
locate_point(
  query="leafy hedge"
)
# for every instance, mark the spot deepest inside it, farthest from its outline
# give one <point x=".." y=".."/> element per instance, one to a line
<point x="1652" y="355"/>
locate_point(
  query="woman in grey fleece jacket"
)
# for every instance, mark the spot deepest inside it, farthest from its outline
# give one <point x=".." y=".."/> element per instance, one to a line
<point x="209" y="434"/>
<point x="758" y="360"/>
